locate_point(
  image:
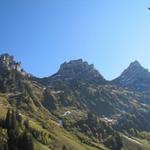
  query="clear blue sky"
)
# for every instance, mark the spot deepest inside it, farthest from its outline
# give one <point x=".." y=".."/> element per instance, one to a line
<point x="42" y="34"/>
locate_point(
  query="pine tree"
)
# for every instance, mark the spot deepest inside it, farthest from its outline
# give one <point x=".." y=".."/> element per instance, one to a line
<point x="12" y="137"/>
<point x="14" y="120"/>
<point x="26" y="142"/>
<point x="64" y="148"/>
<point x="11" y="125"/>
<point x="119" y="142"/>
<point x="26" y="123"/>
<point x="9" y="120"/>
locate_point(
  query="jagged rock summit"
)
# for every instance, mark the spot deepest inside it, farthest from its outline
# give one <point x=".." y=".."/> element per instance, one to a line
<point x="77" y="70"/>
<point x="135" y="76"/>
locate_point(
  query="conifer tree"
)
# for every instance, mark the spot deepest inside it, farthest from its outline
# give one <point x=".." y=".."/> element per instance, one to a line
<point x="12" y="137"/>
<point x="9" y="120"/>
<point x="64" y="148"/>
<point x="14" y="120"/>
<point x="26" y="142"/>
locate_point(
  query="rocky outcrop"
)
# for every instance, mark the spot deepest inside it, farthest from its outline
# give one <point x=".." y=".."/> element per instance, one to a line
<point x="8" y="62"/>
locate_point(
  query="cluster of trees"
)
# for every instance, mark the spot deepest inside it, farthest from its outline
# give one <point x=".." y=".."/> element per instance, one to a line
<point x="96" y="130"/>
<point x="64" y="148"/>
<point x="102" y="131"/>
<point x="114" y="142"/>
<point x="95" y="127"/>
<point x="19" y="136"/>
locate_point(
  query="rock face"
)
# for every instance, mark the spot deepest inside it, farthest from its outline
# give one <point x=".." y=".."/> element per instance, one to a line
<point x="7" y="62"/>
<point x="12" y="75"/>
<point x="135" y="77"/>
<point x="79" y="70"/>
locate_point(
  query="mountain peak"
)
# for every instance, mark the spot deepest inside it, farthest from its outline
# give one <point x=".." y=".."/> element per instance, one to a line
<point x="80" y="70"/>
<point x="136" y="69"/>
<point x="134" y="76"/>
<point x="76" y="65"/>
<point x="135" y="64"/>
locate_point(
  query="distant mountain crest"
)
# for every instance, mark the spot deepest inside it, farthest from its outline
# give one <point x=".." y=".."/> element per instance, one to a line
<point x="135" y="63"/>
<point x="134" y="70"/>
<point x="136" y="66"/>
<point x="135" y="76"/>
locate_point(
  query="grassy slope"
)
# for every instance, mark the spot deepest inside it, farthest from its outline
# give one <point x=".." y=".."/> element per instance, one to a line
<point x="39" y="146"/>
<point x="135" y="143"/>
<point x="61" y="137"/>
<point x="3" y="105"/>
